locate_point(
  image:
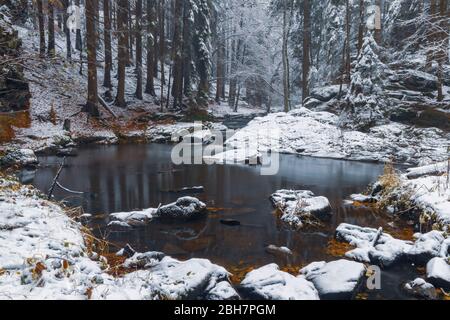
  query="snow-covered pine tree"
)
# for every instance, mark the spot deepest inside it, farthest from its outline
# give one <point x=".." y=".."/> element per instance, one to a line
<point x="365" y="103"/>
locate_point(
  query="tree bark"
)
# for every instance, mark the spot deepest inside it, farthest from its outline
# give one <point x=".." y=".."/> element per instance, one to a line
<point x="91" y="43"/>
<point x="122" y="51"/>
<point x="66" y="4"/>
<point x="139" y="49"/>
<point x="177" y="58"/>
<point x="51" y="30"/>
<point x="361" y="27"/>
<point x="306" y="48"/>
<point x="41" y="28"/>
<point x="150" y="85"/>
<point x="108" y="49"/>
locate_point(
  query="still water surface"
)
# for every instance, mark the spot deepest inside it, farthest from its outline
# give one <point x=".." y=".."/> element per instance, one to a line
<point x="132" y="177"/>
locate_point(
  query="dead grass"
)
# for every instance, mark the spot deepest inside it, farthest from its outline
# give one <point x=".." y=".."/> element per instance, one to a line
<point x="337" y="249"/>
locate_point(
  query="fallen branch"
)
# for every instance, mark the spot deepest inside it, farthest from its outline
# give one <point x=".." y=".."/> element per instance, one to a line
<point x="106" y="106"/>
<point x="55" y="180"/>
<point x="68" y="190"/>
<point x="377" y="237"/>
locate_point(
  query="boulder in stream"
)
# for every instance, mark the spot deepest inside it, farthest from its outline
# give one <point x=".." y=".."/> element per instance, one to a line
<point x="269" y="283"/>
<point x="421" y="289"/>
<point x="336" y="280"/>
<point x="185" y="208"/>
<point x="372" y="245"/>
<point x="19" y="157"/>
<point x="426" y="247"/>
<point x="438" y="272"/>
<point x="297" y="206"/>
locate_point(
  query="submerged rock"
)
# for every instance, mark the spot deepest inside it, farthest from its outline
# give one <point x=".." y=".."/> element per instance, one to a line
<point x="372" y="245"/>
<point x="272" y="249"/>
<point x="421" y="289"/>
<point x="269" y="283"/>
<point x="297" y="206"/>
<point x="438" y="272"/>
<point x="335" y="280"/>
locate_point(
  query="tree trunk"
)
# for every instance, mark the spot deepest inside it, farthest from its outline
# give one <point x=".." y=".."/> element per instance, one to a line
<point x="442" y="54"/>
<point x="177" y="48"/>
<point x="139" y="49"/>
<point x="91" y="36"/>
<point x="108" y="50"/>
<point x="361" y="25"/>
<point x="122" y="51"/>
<point x="51" y="30"/>
<point x="162" y="45"/>
<point x="66" y="4"/>
<point x="78" y="40"/>
<point x="150" y="85"/>
<point x="286" y="93"/>
<point x="41" y="28"/>
<point x="306" y="48"/>
<point x="378" y="24"/>
<point x="187" y="49"/>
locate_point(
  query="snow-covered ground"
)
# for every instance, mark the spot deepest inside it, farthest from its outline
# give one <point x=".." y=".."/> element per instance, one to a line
<point x="318" y="134"/>
<point x="44" y="256"/>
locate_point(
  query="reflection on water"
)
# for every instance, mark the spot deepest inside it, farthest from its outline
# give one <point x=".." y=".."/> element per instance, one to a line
<point x="130" y="177"/>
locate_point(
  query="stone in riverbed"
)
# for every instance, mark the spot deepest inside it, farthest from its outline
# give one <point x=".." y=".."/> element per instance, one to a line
<point x="297" y="206"/>
<point x="372" y="246"/>
<point x="421" y="289"/>
<point x="336" y="280"/>
<point x="269" y="283"/>
<point x="19" y="157"/>
<point x="438" y="272"/>
<point x="426" y="247"/>
<point x="222" y="291"/>
<point x="185" y="208"/>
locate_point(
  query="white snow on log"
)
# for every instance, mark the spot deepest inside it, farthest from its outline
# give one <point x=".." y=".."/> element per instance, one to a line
<point x="298" y="205"/>
<point x="432" y="169"/>
<point x="269" y="283"/>
<point x="335" y="280"/>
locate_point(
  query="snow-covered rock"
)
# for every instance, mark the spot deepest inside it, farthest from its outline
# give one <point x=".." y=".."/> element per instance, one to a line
<point x="222" y="291"/>
<point x="421" y="289"/>
<point x="335" y="280"/>
<point x="269" y="283"/>
<point x="318" y="134"/>
<point x="438" y="272"/>
<point x="426" y="247"/>
<point x="19" y="157"/>
<point x="235" y="156"/>
<point x="183" y="208"/>
<point x="172" y="133"/>
<point x="372" y="245"/>
<point x="298" y="205"/>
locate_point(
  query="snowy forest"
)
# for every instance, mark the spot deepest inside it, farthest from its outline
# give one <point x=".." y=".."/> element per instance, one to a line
<point x="224" y="150"/>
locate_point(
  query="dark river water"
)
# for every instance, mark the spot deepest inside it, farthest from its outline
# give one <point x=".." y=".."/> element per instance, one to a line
<point x="131" y="177"/>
